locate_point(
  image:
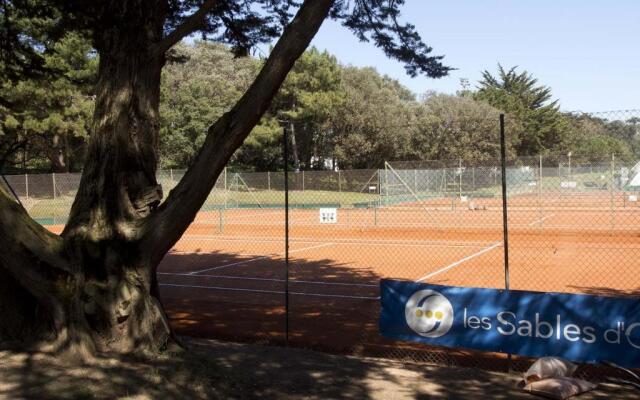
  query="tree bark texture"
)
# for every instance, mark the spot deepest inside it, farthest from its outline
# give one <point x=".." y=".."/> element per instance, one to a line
<point x="94" y="287"/>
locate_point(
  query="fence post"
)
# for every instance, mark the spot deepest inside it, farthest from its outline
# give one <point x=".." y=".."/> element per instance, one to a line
<point x="541" y="213"/>
<point x="171" y="175"/>
<point x="386" y="180"/>
<point x="53" y="180"/>
<point x="473" y="179"/>
<point x="613" y="182"/>
<point x="505" y="224"/>
<point x="285" y="145"/>
<point x="303" y="180"/>
<point x="460" y="178"/>
<point x="268" y="180"/>
<point x="339" y="182"/>
<point x="26" y="185"/>
<point x="221" y="219"/>
<point x="375" y="215"/>
<point x="225" y="191"/>
<point x="415" y="180"/>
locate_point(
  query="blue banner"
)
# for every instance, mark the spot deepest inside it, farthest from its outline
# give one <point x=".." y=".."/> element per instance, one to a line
<point x="578" y="327"/>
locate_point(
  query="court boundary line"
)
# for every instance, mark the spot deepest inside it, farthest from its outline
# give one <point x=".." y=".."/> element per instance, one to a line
<point x="324" y="244"/>
<point x="251" y="278"/>
<point x="462" y="260"/>
<point x="273" y="291"/>
<point x="540" y="220"/>
<point x="377" y="242"/>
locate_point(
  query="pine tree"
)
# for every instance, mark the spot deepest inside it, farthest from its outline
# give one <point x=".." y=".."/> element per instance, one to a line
<point x="521" y="96"/>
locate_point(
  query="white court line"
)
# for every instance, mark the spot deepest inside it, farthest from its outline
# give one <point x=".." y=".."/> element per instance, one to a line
<point x="273" y="292"/>
<point x="249" y="278"/>
<point x="455" y="264"/>
<point x="292" y="220"/>
<point x="258" y="214"/>
<point x="364" y="242"/>
<point x="229" y="214"/>
<point x="261" y="258"/>
<point x="206" y="252"/>
<point x="539" y="221"/>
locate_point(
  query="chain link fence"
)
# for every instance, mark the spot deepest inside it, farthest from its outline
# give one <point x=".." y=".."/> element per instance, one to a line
<point x="573" y="227"/>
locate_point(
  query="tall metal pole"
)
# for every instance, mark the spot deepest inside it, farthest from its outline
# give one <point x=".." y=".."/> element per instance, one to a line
<point x="505" y="225"/>
<point x="285" y="145"/>
<point x="613" y="184"/>
<point x="540" y="211"/>
<point x="460" y="178"/>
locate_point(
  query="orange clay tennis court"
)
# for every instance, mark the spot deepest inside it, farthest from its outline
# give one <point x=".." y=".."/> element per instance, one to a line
<point x="226" y="277"/>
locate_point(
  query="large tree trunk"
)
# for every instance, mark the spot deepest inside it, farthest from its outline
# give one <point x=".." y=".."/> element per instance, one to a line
<point x="118" y="191"/>
<point x="111" y="298"/>
<point x="94" y="288"/>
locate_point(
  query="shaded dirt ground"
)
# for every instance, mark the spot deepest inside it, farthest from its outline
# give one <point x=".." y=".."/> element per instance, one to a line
<point x="217" y="370"/>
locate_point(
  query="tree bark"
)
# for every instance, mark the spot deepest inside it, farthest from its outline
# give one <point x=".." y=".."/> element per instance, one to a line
<point x="57" y="153"/>
<point x="118" y="191"/>
<point x="294" y="147"/>
<point x="107" y="299"/>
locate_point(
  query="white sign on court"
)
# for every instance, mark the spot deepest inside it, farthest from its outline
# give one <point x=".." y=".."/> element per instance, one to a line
<point x="633" y="198"/>
<point x="568" y="184"/>
<point x="328" y="215"/>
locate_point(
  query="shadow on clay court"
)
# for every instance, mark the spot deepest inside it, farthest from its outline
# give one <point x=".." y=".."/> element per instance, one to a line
<point x="332" y="307"/>
<point x="607" y="291"/>
<point x="243" y="298"/>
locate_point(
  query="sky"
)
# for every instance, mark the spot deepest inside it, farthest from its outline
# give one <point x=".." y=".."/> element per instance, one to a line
<point x="587" y="51"/>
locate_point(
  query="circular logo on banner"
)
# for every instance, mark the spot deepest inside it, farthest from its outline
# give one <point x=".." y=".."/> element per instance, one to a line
<point x="429" y="313"/>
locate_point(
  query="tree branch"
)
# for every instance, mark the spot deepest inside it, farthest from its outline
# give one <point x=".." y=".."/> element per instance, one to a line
<point x="190" y="24"/>
<point x="15" y="146"/>
<point x="172" y="218"/>
<point x="30" y="253"/>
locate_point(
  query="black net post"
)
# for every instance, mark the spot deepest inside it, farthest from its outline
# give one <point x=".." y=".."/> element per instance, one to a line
<point x="505" y="224"/>
<point x="285" y="145"/>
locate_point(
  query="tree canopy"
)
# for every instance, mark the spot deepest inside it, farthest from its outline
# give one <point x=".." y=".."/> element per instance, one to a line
<point x="520" y="95"/>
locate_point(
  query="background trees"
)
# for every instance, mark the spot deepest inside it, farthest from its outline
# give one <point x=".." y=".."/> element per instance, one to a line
<point x="45" y="117"/>
<point x="458" y="127"/>
<point x="337" y="116"/>
<point x="519" y="94"/>
<point x="594" y="139"/>
<point x="199" y="83"/>
<point x="372" y="125"/>
<point x="307" y="105"/>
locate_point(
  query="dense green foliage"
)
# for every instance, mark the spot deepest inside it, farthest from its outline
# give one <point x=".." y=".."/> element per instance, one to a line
<point x="45" y="114"/>
<point x="199" y="84"/>
<point x="543" y="126"/>
<point x="457" y="127"/>
<point x="545" y="130"/>
<point x="337" y="116"/>
<point x="307" y="105"/>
